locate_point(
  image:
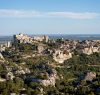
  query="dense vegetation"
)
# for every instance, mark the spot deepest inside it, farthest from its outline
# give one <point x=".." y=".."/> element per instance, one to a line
<point x="70" y="73"/>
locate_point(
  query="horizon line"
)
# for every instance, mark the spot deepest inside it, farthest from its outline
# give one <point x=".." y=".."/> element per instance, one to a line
<point x="51" y="34"/>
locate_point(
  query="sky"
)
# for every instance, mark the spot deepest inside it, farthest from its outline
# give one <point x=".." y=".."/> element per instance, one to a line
<point x="49" y="17"/>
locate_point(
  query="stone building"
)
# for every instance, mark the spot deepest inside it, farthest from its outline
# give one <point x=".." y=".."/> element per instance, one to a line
<point x="22" y="38"/>
<point x="60" y="56"/>
<point x="41" y="38"/>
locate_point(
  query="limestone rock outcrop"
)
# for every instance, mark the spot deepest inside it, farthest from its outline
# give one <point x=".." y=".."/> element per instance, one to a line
<point x="90" y="76"/>
<point x="51" y="80"/>
<point x="1" y="56"/>
<point x="40" y="48"/>
<point x="90" y="50"/>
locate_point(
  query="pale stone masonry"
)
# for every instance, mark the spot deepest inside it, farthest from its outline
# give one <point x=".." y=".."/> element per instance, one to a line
<point x="60" y="56"/>
<point x="22" y="38"/>
<point x="41" y="38"/>
<point x="5" y="45"/>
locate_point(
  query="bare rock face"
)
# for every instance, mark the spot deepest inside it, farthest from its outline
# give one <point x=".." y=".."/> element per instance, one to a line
<point x="1" y="56"/>
<point x="22" y="71"/>
<point x="90" y="76"/>
<point x="2" y="79"/>
<point x="10" y="76"/>
<point x="51" y="80"/>
<point x="40" y="48"/>
<point x="90" y="50"/>
<point x="60" y="56"/>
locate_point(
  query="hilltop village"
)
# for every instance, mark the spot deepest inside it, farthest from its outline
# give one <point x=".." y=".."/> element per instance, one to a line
<point x="40" y="65"/>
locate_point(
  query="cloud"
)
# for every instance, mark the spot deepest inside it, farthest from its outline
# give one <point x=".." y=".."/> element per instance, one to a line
<point x="32" y="13"/>
<point x="74" y="15"/>
<point x="18" y="13"/>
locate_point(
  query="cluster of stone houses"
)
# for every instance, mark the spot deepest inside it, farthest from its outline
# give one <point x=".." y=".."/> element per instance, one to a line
<point x="60" y="54"/>
<point x="5" y="45"/>
<point x="41" y="38"/>
<point x="65" y="49"/>
<point x="22" y="38"/>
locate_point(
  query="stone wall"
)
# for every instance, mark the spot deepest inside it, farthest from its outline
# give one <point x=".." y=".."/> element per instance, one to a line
<point x="60" y="56"/>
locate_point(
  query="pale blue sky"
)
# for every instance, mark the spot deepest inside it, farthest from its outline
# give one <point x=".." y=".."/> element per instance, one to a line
<point x="49" y="17"/>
